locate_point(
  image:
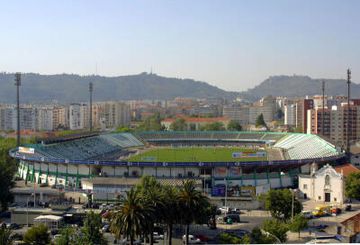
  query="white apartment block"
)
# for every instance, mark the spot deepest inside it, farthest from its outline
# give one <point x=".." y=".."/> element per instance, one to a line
<point x="290" y="115"/>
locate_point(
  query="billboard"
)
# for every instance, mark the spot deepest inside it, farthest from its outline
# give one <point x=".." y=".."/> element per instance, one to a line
<point x="248" y="154"/>
<point x="26" y="150"/>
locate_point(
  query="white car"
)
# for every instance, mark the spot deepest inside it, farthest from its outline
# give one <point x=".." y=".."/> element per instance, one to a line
<point x="192" y="239"/>
<point x="157" y="236"/>
<point x="224" y="209"/>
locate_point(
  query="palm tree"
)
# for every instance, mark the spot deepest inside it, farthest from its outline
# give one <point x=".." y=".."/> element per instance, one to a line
<point x="191" y="202"/>
<point x="131" y="217"/>
<point x="152" y="196"/>
<point x="6" y="236"/>
<point x="171" y="208"/>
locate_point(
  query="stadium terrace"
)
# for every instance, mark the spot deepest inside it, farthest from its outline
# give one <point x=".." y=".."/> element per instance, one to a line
<point x="218" y="160"/>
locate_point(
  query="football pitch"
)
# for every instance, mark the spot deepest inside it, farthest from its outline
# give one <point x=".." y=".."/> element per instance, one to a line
<point x="200" y="154"/>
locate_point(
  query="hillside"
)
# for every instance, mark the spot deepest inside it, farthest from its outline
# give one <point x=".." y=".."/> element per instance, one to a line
<point x="74" y="88"/>
<point x="295" y="86"/>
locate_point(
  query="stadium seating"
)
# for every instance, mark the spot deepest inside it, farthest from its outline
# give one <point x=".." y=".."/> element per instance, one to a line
<point x="88" y="148"/>
<point x="303" y="146"/>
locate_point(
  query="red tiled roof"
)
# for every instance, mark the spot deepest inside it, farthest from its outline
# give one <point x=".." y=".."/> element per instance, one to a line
<point x="346" y="169"/>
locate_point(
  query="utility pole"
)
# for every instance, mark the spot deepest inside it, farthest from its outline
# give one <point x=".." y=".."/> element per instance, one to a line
<point x="323" y="108"/>
<point x="348" y="113"/>
<point x="18" y="84"/>
<point x="91" y="89"/>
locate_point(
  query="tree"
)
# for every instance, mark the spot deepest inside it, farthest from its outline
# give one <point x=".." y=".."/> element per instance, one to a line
<point x="152" y="123"/>
<point x="68" y="237"/>
<point x="130" y="218"/>
<point x="226" y="238"/>
<point x="8" y="168"/>
<point x="279" y="114"/>
<point x="152" y="198"/>
<point x="171" y="206"/>
<point x="37" y="235"/>
<point x="191" y="201"/>
<point x="91" y="229"/>
<point x="6" y="236"/>
<point x="298" y="223"/>
<point x="352" y="185"/>
<point x="260" y="122"/>
<point x="279" y="203"/>
<point x="178" y="125"/>
<point x="215" y="126"/>
<point x="276" y="228"/>
<point x="234" y="126"/>
<point x="257" y="237"/>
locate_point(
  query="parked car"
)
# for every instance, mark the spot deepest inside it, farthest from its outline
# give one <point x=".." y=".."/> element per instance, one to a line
<point x="13" y="226"/>
<point x="192" y="239"/>
<point x="106" y="228"/>
<point x="335" y="211"/>
<point x="224" y="209"/>
<point x="233" y="217"/>
<point x="307" y="214"/>
<point x="158" y="236"/>
<point x="348" y="207"/>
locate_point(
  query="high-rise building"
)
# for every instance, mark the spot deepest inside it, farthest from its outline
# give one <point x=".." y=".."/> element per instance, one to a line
<point x="237" y="113"/>
<point x="290" y="114"/>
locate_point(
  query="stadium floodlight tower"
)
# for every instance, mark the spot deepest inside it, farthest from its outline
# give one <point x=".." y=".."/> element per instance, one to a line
<point x="91" y="89"/>
<point x="18" y="84"/>
<point x="348" y="113"/>
<point x="323" y="108"/>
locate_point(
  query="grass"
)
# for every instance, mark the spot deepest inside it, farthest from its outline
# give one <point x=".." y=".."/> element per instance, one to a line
<point x="195" y="154"/>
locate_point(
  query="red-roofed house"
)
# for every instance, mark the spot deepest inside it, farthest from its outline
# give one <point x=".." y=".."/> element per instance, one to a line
<point x="195" y="123"/>
<point x="346" y="169"/>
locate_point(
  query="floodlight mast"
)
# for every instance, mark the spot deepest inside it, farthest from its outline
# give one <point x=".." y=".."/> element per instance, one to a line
<point x="348" y="112"/>
<point x="91" y="89"/>
<point x="18" y="84"/>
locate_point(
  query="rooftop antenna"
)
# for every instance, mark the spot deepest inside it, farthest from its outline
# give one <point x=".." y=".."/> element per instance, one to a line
<point x="18" y="84"/>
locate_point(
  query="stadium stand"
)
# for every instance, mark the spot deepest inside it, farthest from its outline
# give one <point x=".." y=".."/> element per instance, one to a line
<point x="302" y="146"/>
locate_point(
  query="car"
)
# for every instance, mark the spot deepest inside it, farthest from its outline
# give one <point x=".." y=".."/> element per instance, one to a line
<point x="233" y="217"/>
<point x="307" y="214"/>
<point x="192" y="239"/>
<point x="348" y="207"/>
<point x="57" y="236"/>
<point x="335" y="211"/>
<point x="158" y="236"/>
<point x="224" y="209"/>
<point x="13" y="226"/>
<point x="106" y="228"/>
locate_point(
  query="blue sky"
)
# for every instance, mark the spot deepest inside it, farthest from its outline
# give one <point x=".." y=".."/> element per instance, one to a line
<point x="231" y="44"/>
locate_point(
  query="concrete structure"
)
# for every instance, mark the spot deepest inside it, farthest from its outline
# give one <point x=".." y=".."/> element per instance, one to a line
<point x="195" y="123"/>
<point x="266" y="106"/>
<point x="77" y="116"/>
<point x="237" y="113"/>
<point x="324" y="185"/>
<point x="290" y="115"/>
<point x="53" y="222"/>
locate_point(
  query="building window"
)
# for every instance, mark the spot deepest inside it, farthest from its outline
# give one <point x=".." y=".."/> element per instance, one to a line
<point x="327" y="180"/>
<point x="305" y="186"/>
<point x="335" y="199"/>
<point x="319" y="197"/>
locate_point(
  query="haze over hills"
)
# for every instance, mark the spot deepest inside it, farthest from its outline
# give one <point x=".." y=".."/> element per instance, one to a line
<point x="67" y="88"/>
<point x="74" y="88"/>
<point x="298" y="86"/>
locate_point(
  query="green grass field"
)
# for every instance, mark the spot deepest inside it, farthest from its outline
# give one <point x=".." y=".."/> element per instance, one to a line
<point x="196" y="154"/>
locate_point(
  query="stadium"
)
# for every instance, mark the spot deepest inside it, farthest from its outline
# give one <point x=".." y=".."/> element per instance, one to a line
<point x="220" y="162"/>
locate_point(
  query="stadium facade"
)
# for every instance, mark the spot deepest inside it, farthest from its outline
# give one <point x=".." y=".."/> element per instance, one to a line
<point x="68" y="161"/>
